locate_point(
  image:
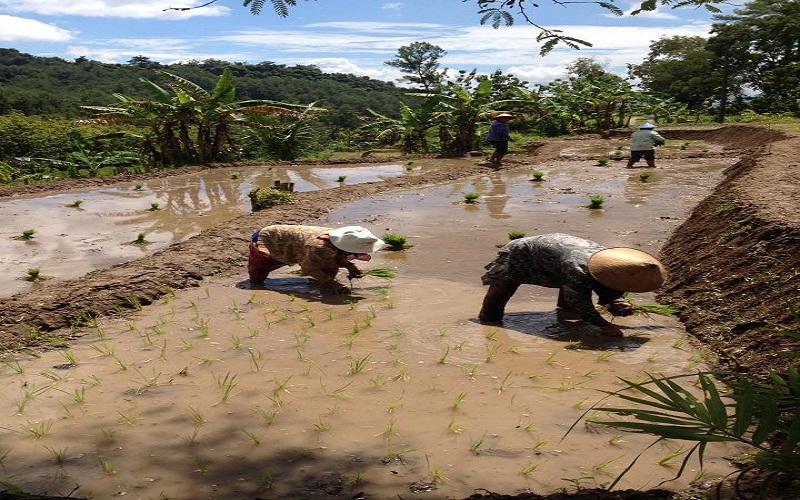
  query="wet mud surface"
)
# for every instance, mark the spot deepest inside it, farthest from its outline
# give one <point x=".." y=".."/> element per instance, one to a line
<point x="217" y="390"/>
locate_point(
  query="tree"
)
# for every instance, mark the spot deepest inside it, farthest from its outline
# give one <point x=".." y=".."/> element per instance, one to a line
<point x="681" y="68"/>
<point x="173" y="113"/>
<point x="758" y="45"/>
<point x="421" y="61"/>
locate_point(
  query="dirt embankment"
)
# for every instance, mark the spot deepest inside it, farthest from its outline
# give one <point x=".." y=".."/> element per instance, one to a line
<point x="733" y="264"/>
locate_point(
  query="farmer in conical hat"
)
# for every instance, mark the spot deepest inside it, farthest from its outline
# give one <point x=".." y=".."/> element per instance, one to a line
<point x="643" y="143"/>
<point x="577" y="267"/>
<point x="320" y="252"/>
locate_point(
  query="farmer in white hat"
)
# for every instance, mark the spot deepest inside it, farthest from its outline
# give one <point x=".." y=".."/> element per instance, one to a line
<point x="320" y="252"/>
<point x="577" y="267"/>
<point x="643" y="143"/>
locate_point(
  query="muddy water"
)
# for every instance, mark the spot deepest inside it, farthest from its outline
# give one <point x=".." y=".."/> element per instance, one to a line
<point x="71" y="240"/>
<point x="229" y="392"/>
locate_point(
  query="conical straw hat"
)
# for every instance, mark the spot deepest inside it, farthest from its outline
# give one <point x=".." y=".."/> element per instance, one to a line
<point x="627" y="270"/>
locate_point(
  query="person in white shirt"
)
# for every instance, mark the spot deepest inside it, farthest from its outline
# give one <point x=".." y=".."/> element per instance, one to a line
<point x="643" y="143"/>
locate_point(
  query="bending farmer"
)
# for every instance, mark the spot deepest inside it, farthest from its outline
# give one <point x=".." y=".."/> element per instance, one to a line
<point x="643" y="143"/>
<point x="577" y="267"/>
<point x="320" y="252"/>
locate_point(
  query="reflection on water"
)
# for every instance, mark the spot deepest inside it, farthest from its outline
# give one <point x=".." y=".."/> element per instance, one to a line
<point x="72" y="238"/>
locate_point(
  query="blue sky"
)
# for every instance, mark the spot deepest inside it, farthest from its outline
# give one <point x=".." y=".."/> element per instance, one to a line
<point x="349" y="36"/>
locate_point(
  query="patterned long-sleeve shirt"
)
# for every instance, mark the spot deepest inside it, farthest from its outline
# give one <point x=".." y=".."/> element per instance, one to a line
<point x="301" y="245"/>
<point x="555" y="261"/>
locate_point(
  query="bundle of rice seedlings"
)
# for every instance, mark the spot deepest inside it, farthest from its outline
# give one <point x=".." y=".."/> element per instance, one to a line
<point x="381" y="272"/>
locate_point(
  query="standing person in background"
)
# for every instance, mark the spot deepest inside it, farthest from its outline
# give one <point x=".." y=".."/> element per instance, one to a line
<point x="643" y="143"/>
<point x="499" y="137"/>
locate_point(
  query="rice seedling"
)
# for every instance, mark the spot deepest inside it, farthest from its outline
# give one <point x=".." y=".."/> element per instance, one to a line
<point x="514" y="349"/>
<point x="491" y="334"/>
<point x="55" y="377"/>
<point x="131" y="418"/>
<point x="603" y="465"/>
<point x="603" y="162"/>
<point x="138" y="187"/>
<point x="381" y="272"/>
<point x="79" y="396"/>
<point x="505" y="383"/>
<point x="226" y="384"/>
<point x="154" y="207"/>
<point x="202" y="327"/>
<point x="134" y="303"/>
<point x="552" y="357"/>
<point x="202" y="466"/>
<point x="253" y="437"/>
<point x="660" y="309"/>
<point x="596" y="201"/>
<point x="476" y="445"/>
<point x="458" y="400"/>
<point x="15" y="365"/>
<point x="645" y="176"/>
<point x="529" y="469"/>
<point x="107" y="466"/>
<point x="537" y="176"/>
<point x="321" y="425"/>
<point x="368" y="321"/>
<point x="140" y="240"/>
<point x="616" y="439"/>
<point x="234" y="176"/>
<point x="471" y="198"/>
<point x="378" y="380"/>
<point x="268" y="417"/>
<point x="70" y="357"/>
<point x="256" y="359"/>
<point x="443" y="357"/>
<point x="358" y="364"/>
<point x="341" y="178"/>
<point x="491" y="352"/>
<point x="76" y="204"/>
<point x="34" y="274"/>
<point x="236" y="341"/>
<point x="515" y="235"/>
<point x="109" y="435"/>
<point x="39" y="430"/>
<point x="27" y="234"/>
<point x="605" y="356"/>
<point x="59" y="454"/>
<point x="196" y="417"/>
<point x="388" y="431"/>
<point x="280" y="385"/>
<point x="395" y="242"/>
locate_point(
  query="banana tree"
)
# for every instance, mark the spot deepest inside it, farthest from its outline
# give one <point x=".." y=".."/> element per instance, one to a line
<point x="410" y="130"/>
<point x="284" y="130"/>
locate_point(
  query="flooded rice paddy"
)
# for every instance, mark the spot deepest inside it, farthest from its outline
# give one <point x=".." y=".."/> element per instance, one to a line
<point x="224" y="391"/>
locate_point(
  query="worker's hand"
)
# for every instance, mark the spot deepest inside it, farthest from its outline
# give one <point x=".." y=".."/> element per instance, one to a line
<point x="334" y="288"/>
<point x="611" y="331"/>
<point x="620" y="308"/>
<point x="354" y="274"/>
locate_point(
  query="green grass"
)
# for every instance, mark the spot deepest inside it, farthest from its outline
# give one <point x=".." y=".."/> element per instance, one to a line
<point x="655" y="309"/>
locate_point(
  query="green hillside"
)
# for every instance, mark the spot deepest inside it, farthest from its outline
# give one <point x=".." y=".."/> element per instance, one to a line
<point x="51" y="86"/>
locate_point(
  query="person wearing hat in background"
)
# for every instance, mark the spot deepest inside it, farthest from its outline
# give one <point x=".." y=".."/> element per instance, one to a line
<point x="643" y="143"/>
<point x="577" y="267"/>
<point x="320" y="252"/>
<point x="499" y="136"/>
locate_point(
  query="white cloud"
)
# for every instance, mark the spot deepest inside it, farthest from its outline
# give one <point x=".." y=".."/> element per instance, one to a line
<point x="392" y="6"/>
<point x="20" y="29"/>
<point x="128" y="9"/>
<point x="344" y="65"/>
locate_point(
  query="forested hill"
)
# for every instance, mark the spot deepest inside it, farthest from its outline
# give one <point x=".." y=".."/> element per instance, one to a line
<point x="52" y="86"/>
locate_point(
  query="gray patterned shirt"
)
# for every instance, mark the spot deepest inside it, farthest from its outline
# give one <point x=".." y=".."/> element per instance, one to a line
<point x="555" y="261"/>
